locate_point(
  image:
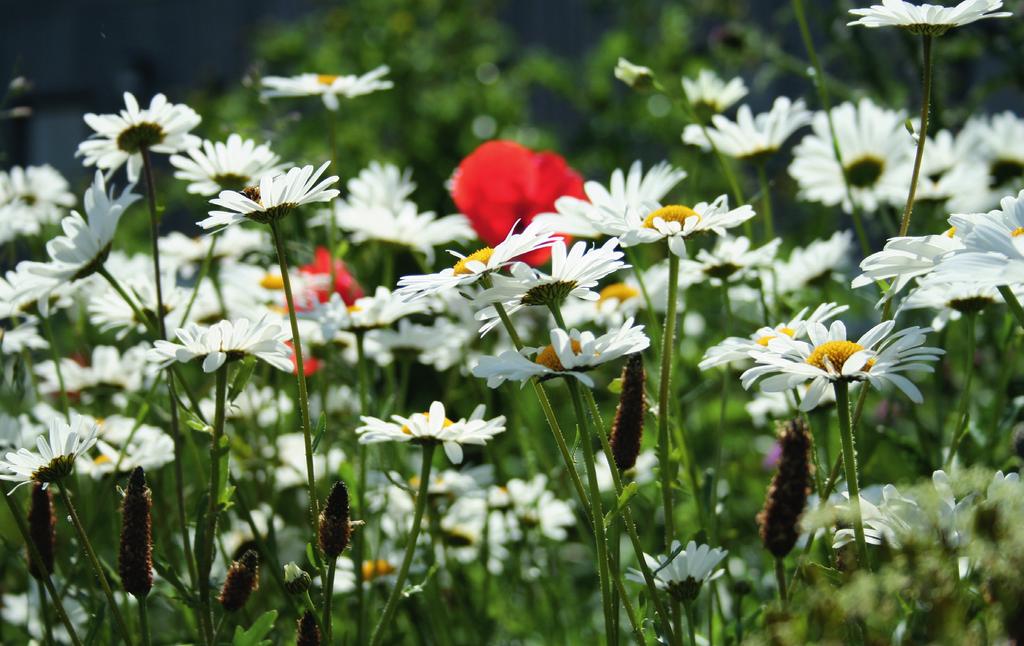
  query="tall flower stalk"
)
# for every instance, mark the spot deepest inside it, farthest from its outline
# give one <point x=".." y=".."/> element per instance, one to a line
<point x="664" y="392"/>
<point x="922" y="134"/>
<point x="206" y="549"/>
<point x="842" y="389"/>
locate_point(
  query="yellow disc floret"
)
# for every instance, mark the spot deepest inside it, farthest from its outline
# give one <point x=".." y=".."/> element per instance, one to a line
<point x="619" y="291"/>
<point x="549" y="358"/>
<point x="765" y="340"/>
<point x="446" y="424"/>
<point x="326" y="79"/>
<point x="831" y="355"/>
<point x="671" y="213"/>
<point x="480" y="255"/>
<point x="1019" y="231"/>
<point x="376" y="568"/>
<point x="272" y="281"/>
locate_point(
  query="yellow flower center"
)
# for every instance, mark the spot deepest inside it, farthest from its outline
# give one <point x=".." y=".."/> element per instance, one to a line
<point x="765" y="340"/>
<point x="549" y="358"/>
<point x="1019" y="231"/>
<point x="376" y="568"/>
<point x="101" y="459"/>
<point x="619" y="291"/>
<point x="446" y="424"/>
<point x="326" y="79"/>
<point x="833" y="354"/>
<point x="272" y="281"/>
<point x="671" y="213"/>
<point x="354" y="308"/>
<point x="480" y="255"/>
<point x="950" y="232"/>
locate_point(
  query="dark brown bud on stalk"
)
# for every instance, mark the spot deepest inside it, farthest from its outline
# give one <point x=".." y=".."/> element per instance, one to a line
<point x="135" y="561"/>
<point x="335" y="522"/>
<point x="628" y="427"/>
<point x="787" y="494"/>
<point x="42" y="527"/>
<point x="308" y="633"/>
<point x="242" y="579"/>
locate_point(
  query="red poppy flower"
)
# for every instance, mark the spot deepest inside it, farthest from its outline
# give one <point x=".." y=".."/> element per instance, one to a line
<point x="502" y="182"/>
<point x="310" y="364"/>
<point x="344" y="282"/>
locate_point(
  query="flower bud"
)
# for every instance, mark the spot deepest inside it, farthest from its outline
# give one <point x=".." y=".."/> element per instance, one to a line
<point x="135" y="560"/>
<point x="628" y="427"/>
<point x="637" y="77"/>
<point x="335" y="522"/>
<point x="296" y="580"/>
<point x="242" y="579"/>
<point x="787" y="494"/>
<point x="42" y="528"/>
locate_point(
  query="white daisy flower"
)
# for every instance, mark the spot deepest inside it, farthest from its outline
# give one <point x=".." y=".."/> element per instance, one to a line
<point x="570" y="354"/>
<point x="381" y="185"/>
<point x="876" y="152"/>
<point x="534" y="505"/>
<point x="55" y="458"/>
<point x="226" y="341"/>
<point x="433" y="426"/>
<point x="22" y="335"/>
<point x="406" y="227"/>
<point x="637" y="76"/>
<point x="736" y="349"/>
<point x="574" y="272"/>
<point x="708" y="94"/>
<point x="482" y="262"/>
<point x="225" y="165"/>
<point x="926" y="19"/>
<point x="107" y="368"/>
<point x="904" y="259"/>
<point x="634" y="190"/>
<point x="187" y="253"/>
<point x="730" y="259"/>
<point x="83" y="248"/>
<point x="812" y="265"/>
<point x="992" y="252"/>
<point x="149" y="448"/>
<point x="673" y="222"/>
<point x="379" y="310"/>
<point x="949" y="300"/>
<point x="162" y="128"/>
<point x="876" y="357"/>
<point x="751" y="137"/>
<point x="33" y="196"/>
<point x="442" y="344"/>
<point x="991" y="141"/>
<point x="289" y="454"/>
<point x="275" y="197"/>
<point x="951" y="177"/>
<point x="683" y="571"/>
<point x="328" y="86"/>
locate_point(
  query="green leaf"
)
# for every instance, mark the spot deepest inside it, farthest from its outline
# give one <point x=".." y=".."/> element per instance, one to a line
<point x="259" y="629"/>
<point x="615" y="386"/>
<point x="242" y="376"/>
<point x="627" y="494"/>
<point x="321" y="428"/>
<point x="313" y="556"/>
<point x="196" y="424"/>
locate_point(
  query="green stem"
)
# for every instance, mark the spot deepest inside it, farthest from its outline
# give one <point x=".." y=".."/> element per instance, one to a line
<point x="664" y="392"/>
<point x="329" y="598"/>
<point x="965" y="394"/>
<point x="850" y="467"/>
<point x="204" y="269"/>
<point x="652" y="316"/>
<point x="922" y="135"/>
<point x="766" y="202"/>
<point x="37" y="560"/>
<point x="691" y="622"/>
<point x="144" y="621"/>
<point x="1011" y="302"/>
<point x="780" y="579"/>
<point x="410" y="548"/>
<point x="359" y="543"/>
<point x="65" y="407"/>
<point x="300" y="377"/>
<point x="331" y="222"/>
<point x="212" y="503"/>
<point x="44" y="614"/>
<point x="83" y="537"/>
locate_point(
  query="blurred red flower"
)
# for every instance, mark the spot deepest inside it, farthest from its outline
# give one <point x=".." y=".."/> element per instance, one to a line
<point x="345" y="283"/>
<point x="310" y="364"/>
<point x="502" y="182"/>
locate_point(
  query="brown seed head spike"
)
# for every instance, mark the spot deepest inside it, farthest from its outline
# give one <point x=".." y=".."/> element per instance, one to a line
<point x="308" y="633"/>
<point x="135" y="561"/>
<point x="42" y="527"/>
<point x="335" y="522"/>
<point x="242" y="579"/>
<point x="787" y="494"/>
<point x="628" y="427"/>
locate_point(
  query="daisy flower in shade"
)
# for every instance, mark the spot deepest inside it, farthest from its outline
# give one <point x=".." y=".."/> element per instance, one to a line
<point x="233" y="244"/>
<point x="33" y="196"/>
<point x="379" y="310"/>
<point x="875" y="150"/>
<point x="673" y="222"/>
<point x="433" y="426"/>
<point x="878" y="357"/>
<point x="815" y="264"/>
<point x="730" y="259"/>
<point x="327" y="86"/>
<point x="22" y="335"/>
<point x="53" y="459"/>
<point x="574" y="272"/>
<point x="635" y="76"/>
<point x="570" y="354"/>
<point x="682" y="572"/>
<point x="949" y="176"/>
<point x="162" y="128"/>
<point x="405" y="227"/>
<point x="904" y="259"/>
<point x="226" y="341"/>
<point x="225" y="165"/>
<point x="991" y="141"/>
<point x="949" y="300"/>
<point x="275" y="197"/>
<point x="577" y="217"/>
<point x="708" y="94"/>
<point x="751" y="137"/>
<point x="736" y="349"/>
<point x="926" y="19"/>
<point x="84" y="247"/>
<point x="471" y="268"/>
